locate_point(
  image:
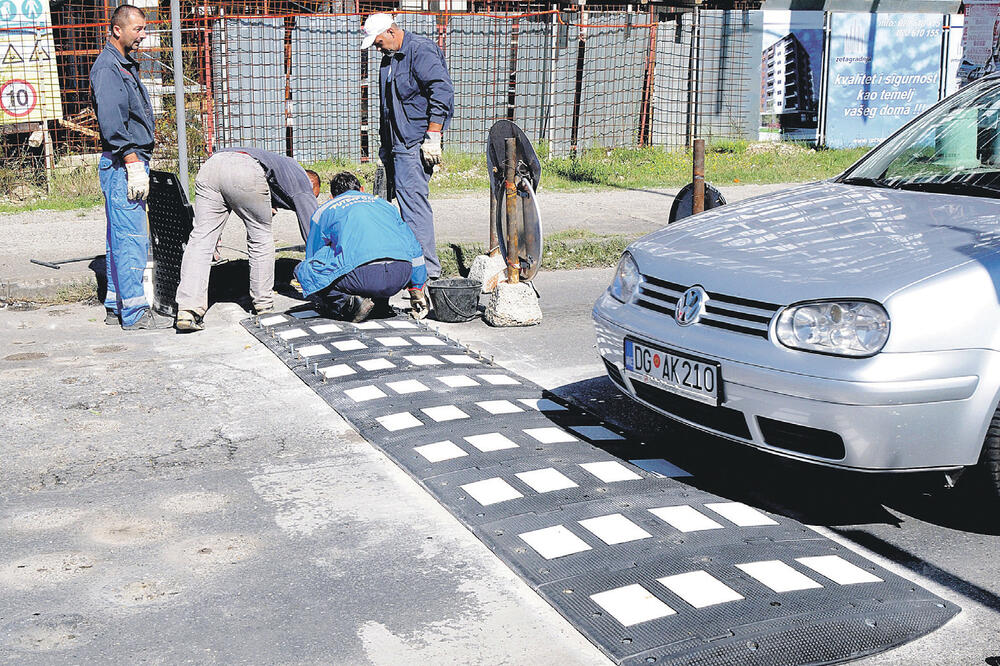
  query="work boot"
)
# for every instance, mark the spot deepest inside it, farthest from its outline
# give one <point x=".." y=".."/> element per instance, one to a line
<point x="111" y="317"/>
<point x="148" y="320"/>
<point x="188" y="321"/>
<point x="382" y="309"/>
<point x="359" y="309"/>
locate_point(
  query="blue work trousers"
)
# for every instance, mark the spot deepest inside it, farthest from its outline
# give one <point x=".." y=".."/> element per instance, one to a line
<point x="379" y="280"/>
<point x="411" y="179"/>
<point x="127" y="242"/>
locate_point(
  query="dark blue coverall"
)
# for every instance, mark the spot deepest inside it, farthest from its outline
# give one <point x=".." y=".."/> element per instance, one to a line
<point x="415" y="91"/>
<point x="125" y="118"/>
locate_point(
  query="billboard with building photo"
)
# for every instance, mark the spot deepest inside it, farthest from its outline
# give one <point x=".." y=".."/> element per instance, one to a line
<point x="791" y="64"/>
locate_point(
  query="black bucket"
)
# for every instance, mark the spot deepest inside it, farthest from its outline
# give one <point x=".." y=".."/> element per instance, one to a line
<point x="455" y="299"/>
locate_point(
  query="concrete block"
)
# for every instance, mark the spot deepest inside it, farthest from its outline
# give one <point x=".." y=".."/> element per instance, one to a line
<point x="487" y="270"/>
<point x="513" y="305"/>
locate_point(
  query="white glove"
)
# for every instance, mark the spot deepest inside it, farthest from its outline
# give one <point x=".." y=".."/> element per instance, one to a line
<point x="418" y="303"/>
<point x="138" y="181"/>
<point x="431" y="148"/>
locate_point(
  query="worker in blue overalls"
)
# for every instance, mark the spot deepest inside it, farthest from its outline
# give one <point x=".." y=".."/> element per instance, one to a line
<point x="417" y="102"/>
<point x="359" y="254"/>
<point x="125" y="118"/>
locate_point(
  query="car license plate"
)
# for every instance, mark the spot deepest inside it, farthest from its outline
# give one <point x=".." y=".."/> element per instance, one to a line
<point x="672" y="371"/>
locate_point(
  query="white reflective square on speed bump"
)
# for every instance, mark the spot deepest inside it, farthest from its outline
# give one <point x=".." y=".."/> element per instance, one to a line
<point x="428" y="341"/>
<point x="546" y="480"/>
<point x="615" y="528"/>
<point x="271" y="321"/>
<point x="700" y="589"/>
<point x="407" y="386"/>
<point x="339" y="370"/>
<point x="326" y="328"/>
<point x="458" y="381"/>
<point x="349" y="345"/>
<point x="460" y="359"/>
<point x="364" y="393"/>
<point x="292" y="334"/>
<point x="445" y="413"/>
<point x="400" y="421"/>
<point x="610" y="471"/>
<point x="685" y="518"/>
<point x="372" y="364"/>
<point x="838" y="569"/>
<point x="499" y="380"/>
<point x="499" y="406"/>
<point x="553" y="542"/>
<point x="439" y="451"/>
<point x="312" y="350"/>
<point x="542" y="404"/>
<point x="393" y="341"/>
<point x="491" y="491"/>
<point x="596" y="433"/>
<point x="550" y="435"/>
<point x="492" y="441"/>
<point x="740" y="514"/>
<point x="632" y="604"/>
<point x="368" y="325"/>
<point x="423" y="359"/>
<point x="400" y="324"/>
<point x="778" y="576"/>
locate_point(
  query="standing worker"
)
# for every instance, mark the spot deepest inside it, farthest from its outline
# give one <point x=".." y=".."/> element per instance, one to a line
<point x="125" y="118"/>
<point x="250" y="182"/>
<point x="359" y="254"/>
<point x="417" y="102"/>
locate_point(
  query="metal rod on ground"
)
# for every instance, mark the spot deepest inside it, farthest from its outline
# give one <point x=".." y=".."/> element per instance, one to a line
<point x="510" y="162"/>
<point x="698" y="177"/>
<point x="175" y="36"/>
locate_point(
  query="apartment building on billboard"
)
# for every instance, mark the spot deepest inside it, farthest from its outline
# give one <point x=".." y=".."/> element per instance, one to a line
<point x="787" y="97"/>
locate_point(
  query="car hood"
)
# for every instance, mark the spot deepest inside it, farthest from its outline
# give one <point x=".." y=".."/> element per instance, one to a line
<point x="823" y="240"/>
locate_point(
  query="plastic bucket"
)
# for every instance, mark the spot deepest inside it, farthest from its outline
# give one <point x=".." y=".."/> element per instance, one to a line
<point x="454" y="299"/>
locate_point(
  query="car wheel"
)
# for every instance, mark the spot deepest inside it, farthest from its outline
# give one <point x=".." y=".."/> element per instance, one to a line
<point x="989" y="459"/>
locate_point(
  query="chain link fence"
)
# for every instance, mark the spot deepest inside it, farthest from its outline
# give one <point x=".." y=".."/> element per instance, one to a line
<point x="292" y="79"/>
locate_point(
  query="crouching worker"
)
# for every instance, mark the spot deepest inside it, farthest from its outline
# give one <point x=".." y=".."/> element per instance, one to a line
<point x="359" y="254"/>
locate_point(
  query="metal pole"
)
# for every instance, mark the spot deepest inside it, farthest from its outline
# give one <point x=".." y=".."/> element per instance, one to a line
<point x="698" y="177"/>
<point x="513" y="262"/>
<point x="182" y="149"/>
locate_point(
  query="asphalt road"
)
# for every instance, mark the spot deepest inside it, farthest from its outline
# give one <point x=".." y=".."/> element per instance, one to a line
<point x="172" y="498"/>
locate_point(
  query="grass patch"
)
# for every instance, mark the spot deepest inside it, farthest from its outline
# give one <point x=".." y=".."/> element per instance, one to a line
<point x="727" y="161"/>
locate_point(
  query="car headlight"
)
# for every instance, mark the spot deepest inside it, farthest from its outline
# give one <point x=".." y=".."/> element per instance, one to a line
<point x="843" y="328"/>
<point x="627" y="279"/>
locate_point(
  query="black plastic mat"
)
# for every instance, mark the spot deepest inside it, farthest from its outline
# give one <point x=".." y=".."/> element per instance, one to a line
<point x="592" y="534"/>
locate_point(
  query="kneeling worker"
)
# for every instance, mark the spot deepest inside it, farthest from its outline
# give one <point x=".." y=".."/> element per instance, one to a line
<point x="250" y="182"/>
<point x="360" y="253"/>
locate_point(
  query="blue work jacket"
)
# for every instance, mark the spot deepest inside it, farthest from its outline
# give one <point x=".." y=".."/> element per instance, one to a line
<point x="354" y="229"/>
<point x="415" y="91"/>
<point x="121" y="102"/>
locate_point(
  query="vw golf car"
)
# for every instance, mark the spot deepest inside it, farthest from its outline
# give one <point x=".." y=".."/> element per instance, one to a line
<point x="852" y="323"/>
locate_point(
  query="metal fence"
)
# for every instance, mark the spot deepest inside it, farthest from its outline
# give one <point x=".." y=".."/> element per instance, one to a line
<point x="297" y="82"/>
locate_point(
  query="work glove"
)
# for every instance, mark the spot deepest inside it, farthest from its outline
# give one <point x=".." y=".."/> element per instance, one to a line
<point x="138" y="181"/>
<point x="431" y="148"/>
<point x="418" y="303"/>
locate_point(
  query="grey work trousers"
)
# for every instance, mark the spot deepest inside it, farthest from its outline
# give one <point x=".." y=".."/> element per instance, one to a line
<point x="228" y="183"/>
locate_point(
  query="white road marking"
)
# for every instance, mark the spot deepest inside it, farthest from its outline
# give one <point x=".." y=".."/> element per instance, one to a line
<point x="491" y="491"/>
<point x="553" y="542"/>
<point x="364" y="393"/>
<point x="615" y="528"/>
<point x="778" y="576"/>
<point x="438" y="451"/>
<point x="596" y="433"/>
<point x="292" y="334"/>
<point x="740" y="514"/>
<point x="685" y="518"/>
<point x="458" y="381"/>
<point x="326" y="328"/>
<point x="372" y="364"/>
<point x="312" y="350"/>
<point x="700" y="589"/>
<point x="271" y="321"/>
<point x="407" y="386"/>
<point x="546" y="480"/>
<point x="339" y="370"/>
<point x="400" y="421"/>
<point x="499" y="406"/>
<point x="460" y="359"/>
<point x="493" y="441"/>
<point x="632" y="604"/>
<point x="550" y="435"/>
<point x="610" y="471"/>
<point x="349" y="345"/>
<point x="394" y="341"/>
<point x="445" y="413"/>
<point x="423" y="359"/>
<point x="838" y="569"/>
<point x="499" y="380"/>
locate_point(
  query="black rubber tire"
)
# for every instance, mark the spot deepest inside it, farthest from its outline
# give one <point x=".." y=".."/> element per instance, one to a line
<point x="989" y="459"/>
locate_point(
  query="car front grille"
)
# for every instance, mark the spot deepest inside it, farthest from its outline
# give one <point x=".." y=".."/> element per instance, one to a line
<point x="732" y="313"/>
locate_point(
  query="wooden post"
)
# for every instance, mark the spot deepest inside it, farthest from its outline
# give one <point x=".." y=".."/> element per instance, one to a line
<point x="494" y="246"/>
<point x="513" y="210"/>
<point x="698" y="177"/>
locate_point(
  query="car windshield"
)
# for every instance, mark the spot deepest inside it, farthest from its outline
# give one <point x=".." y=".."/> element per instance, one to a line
<point x="954" y="148"/>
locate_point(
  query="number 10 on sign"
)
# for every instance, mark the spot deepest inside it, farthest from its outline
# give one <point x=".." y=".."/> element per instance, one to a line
<point x="18" y="98"/>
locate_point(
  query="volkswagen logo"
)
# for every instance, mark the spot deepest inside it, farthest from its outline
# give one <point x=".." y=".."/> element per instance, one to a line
<point x="691" y="306"/>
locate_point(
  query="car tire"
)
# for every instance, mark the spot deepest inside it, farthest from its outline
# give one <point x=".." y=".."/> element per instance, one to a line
<point x="989" y="459"/>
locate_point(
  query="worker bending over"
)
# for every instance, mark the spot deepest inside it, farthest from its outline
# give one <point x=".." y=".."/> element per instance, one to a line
<point x="250" y="182"/>
<point x="359" y="254"/>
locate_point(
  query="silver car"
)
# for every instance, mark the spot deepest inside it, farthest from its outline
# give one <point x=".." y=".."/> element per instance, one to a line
<point x="853" y="323"/>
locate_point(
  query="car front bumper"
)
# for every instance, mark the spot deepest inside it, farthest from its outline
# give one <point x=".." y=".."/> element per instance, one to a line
<point x="886" y="420"/>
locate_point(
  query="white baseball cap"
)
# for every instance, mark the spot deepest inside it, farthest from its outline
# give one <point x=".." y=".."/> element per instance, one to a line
<point x="375" y="25"/>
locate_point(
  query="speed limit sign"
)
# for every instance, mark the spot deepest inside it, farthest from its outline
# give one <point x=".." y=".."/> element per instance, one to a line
<point x="18" y="98"/>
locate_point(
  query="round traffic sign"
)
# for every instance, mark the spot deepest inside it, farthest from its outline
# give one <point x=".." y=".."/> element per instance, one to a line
<point x="18" y="98"/>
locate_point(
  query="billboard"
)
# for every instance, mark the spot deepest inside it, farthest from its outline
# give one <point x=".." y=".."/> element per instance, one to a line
<point x="884" y="69"/>
<point x="791" y="68"/>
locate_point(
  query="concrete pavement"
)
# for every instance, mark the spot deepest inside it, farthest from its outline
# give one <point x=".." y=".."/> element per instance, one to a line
<point x="57" y="235"/>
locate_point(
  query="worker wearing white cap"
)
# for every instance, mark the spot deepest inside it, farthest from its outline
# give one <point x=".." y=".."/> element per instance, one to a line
<point x="417" y="102"/>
